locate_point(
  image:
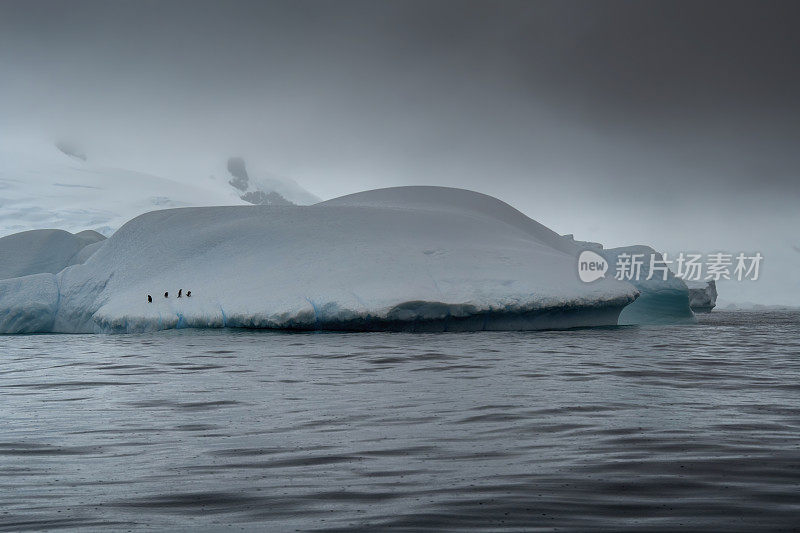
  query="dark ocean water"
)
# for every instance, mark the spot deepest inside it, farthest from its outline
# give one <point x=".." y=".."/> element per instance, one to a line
<point x="693" y="427"/>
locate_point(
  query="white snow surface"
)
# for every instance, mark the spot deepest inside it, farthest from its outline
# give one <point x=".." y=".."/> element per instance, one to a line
<point x="399" y="258"/>
<point x="42" y="187"/>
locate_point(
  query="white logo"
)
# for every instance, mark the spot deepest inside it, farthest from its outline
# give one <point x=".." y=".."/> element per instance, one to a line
<point x="591" y="266"/>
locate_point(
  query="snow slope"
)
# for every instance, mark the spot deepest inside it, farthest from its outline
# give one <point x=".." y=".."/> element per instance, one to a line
<point x="45" y="251"/>
<point x="57" y="185"/>
<point x="460" y="202"/>
<point x="409" y="258"/>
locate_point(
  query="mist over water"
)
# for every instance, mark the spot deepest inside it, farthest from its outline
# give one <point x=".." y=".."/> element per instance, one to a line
<point x="622" y="428"/>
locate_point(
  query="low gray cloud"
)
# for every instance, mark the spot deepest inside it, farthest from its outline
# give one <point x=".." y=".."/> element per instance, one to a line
<point x="658" y="122"/>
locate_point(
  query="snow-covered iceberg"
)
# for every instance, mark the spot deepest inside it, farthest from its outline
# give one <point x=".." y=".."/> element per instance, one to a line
<point x="45" y="251"/>
<point x="407" y="258"/>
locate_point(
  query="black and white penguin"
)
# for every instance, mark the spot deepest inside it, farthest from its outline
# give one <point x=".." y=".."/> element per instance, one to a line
<point x="188" y="294"/>
<point x="179" y="292"/>
<point x="166" y="294"/>
<point x="149" y="299"/>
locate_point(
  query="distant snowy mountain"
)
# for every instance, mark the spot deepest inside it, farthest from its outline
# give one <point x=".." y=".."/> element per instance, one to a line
<point x="58" y="185"/>
<point x="265" y="189"/>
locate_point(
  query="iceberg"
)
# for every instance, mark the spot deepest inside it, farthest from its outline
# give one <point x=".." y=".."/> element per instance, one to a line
<point x="662" y="301"/>
<point x="702" y="295"/>
<point x="405" y="258"/>
<point x="45" y="251"/>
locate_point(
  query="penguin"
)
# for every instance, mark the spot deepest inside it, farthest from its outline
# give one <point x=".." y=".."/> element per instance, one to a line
<point x="149" y="299"/>
<point x="179" y="292"/>
<point x="188" y="294"/>
<point x="166" y="294"/>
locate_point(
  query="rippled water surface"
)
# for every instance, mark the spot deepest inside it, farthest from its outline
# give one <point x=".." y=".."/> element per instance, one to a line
<point x="623" y="428"/>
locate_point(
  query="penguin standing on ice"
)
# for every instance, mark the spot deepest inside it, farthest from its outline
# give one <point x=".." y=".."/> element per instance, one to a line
<point x="188" y="294"/>
<point x="149" y="299"/>
<point x="166" y="294"/>
<point x="179" y="292"/>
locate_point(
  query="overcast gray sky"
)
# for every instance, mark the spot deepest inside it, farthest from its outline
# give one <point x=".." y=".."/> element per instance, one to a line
<point x="674" y="124"/>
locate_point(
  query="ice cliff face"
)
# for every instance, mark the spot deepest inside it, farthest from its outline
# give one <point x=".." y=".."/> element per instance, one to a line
<point x="408" y="258"/>
<point x="662" y="301"/>
<point x="702" y="295"/>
